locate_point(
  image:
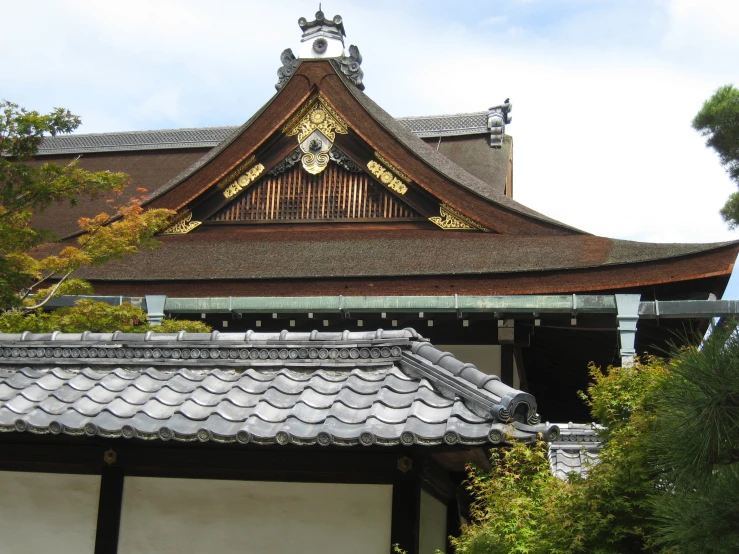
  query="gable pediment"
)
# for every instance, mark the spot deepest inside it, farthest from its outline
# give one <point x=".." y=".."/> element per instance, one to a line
<point x="315" y="116"/>
<point x="290" y="194"/>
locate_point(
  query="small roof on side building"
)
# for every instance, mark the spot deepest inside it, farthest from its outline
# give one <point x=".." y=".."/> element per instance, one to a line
<point x="344" y="389"/>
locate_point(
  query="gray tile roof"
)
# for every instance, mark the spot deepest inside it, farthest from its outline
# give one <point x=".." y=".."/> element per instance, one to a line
<point x="575" y="450"/>
<point x="447" y="125"/>
<point x="208" y="137"/>
<point x="377" y="387"/>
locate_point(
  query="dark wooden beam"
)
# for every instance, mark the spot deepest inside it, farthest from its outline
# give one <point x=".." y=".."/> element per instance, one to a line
<point x="109" y="511"/>
<point x="373" y="465"/>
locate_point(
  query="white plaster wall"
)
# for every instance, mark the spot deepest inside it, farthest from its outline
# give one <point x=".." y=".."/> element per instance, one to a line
<point x="432" y="530"/>
<point x="485" y="356"/>
<point x="48" y="512"/>
<point x="185" y="516"/>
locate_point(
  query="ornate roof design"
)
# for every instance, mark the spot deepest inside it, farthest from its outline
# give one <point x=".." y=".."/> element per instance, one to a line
<point x="378" y="387"/>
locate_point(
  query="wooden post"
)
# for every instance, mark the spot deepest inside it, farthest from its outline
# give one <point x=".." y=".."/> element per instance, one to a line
<point x="109" y="510"/>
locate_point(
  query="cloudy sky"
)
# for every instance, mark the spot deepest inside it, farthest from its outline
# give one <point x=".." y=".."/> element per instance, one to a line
<point x="603" y="90"/>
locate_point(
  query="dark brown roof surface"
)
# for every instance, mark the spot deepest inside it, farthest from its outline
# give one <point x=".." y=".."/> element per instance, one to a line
<point x="147" y="169"/>
<point x="231" y="252"/>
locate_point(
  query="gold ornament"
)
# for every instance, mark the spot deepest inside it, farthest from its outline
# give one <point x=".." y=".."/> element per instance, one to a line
<point x="243" y="181"/>
<point x="452" y="219"/>
<point x="182" y="227"/>
<point x="386" y="177"/>
<point x="316" y="125"/>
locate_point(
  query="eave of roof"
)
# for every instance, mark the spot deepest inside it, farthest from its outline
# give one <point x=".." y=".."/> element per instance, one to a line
<point x="383" y="387"/>
<point x="229" y="252"/>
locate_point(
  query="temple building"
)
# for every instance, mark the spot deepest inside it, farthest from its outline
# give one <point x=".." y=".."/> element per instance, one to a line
<point x="385" y="312"/>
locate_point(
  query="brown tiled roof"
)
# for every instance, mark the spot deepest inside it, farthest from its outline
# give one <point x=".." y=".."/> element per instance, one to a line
<point x="232" y="252"/>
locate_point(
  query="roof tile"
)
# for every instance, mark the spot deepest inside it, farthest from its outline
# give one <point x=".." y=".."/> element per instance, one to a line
<point x="267" y="400"/>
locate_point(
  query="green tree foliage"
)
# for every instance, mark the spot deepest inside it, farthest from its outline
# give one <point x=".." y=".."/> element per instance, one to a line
<point x="26" y="189"/>
<point x="521" y="507"/>
<point x="90" y="315"/>
<point x="696" y="447"/>
<point x="718" y="120"/>
<point x="668" y="479"/>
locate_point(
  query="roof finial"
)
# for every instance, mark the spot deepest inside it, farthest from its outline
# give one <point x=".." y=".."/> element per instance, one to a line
<point x="322" y="37"/>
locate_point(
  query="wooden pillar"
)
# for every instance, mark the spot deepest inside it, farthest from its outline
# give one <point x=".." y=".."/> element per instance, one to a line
<point x="406" y="508"/>
<point x="452" y="523"/>
<point x="109" y="510"/>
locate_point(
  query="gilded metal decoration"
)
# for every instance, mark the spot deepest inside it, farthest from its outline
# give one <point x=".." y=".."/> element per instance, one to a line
<point x="183" y="226"/>
<point x="110" y="456"/>
<point x="289" y="64"/>
<point x="405" y="464"/>
<point x="243" y="181"/>
<point x="316" y="126"/>
<point x="452" y="219"/>
<point x="386" y="177"/>
<point x="350" y="66"/>
<point x="343" y="160"/>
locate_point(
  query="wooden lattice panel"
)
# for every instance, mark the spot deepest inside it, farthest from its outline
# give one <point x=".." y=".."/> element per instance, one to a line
<point x="335" y="194"/>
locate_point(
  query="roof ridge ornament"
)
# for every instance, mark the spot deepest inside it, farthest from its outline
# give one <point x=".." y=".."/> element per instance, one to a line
<point x="322" y="39"/>
<point x="289" y="64"/>
<point x="350" y="67"/>
<point x="498" y="116"/>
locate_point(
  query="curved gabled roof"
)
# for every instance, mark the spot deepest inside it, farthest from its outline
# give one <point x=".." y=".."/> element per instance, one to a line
<point x="449" y="183"/>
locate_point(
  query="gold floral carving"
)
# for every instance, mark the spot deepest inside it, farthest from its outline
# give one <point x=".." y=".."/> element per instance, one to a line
<point x="182" y="227"/>
<point x="243" y="181"/>
<point x="316" y="125"/>
<point x="386" y="177"/>
<point x="452" y="219"/>
<point x="317" y="114"/>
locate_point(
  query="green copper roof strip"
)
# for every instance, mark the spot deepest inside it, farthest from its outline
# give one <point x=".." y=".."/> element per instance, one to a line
<point x="390" y="304"/>
<point x="530" y="304"/>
